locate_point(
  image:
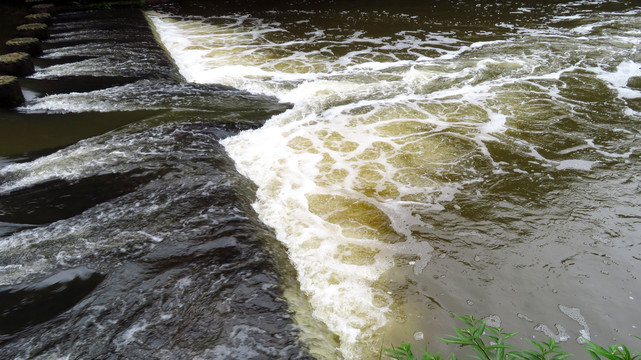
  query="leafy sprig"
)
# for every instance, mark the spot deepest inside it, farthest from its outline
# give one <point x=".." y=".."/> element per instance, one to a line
<point x="490" y="343"/>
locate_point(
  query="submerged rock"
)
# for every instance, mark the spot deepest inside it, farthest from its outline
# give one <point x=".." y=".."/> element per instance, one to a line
<point x="29" y="45"/>
<point x="17" y="64"/>
<point x="635" y="82"/>
<point x="10" y="92"/>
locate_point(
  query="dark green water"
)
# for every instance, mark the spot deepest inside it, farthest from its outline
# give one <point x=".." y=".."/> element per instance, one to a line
<point x="318" y="181"/>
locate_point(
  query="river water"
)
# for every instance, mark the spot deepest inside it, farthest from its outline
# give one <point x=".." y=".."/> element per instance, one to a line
<point x="323" y="182"/>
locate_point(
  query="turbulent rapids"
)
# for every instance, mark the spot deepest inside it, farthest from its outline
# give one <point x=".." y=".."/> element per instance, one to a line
<point x="407" y="164"/>
<point x="386" y="129"/>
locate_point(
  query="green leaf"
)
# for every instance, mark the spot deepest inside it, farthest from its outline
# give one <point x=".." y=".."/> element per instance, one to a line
<point x="538" y="345"/>
<point x="561" y="356"/>
<point x="625" y="351"/>
<point x="457" y="340"/>
<point x="593" y="355"/>
<point x="479" y="331"/>
<point x="597" y="349"/>
<point x="400" y="352"/>
<point x="468" y="320"/>
<point x="522" y="355"/>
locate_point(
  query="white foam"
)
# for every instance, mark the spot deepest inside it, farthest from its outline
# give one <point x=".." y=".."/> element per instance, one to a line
<point x="575" y="164"/>
<point x="619" y="79"/>
<point x="566" y="17"/>
<point x="129" y="335"/>
<point x="332" y="156"/>
<point x="496" y="123"/>
<point x="575" y="314"/>
<point x="337" y="173"/>
<point x="584" y="29"/>
<point x="243" y="345"/>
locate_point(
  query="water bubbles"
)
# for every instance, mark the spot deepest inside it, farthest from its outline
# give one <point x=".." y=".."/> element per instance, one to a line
<point x="493" y="320"/>
<point x="524" y="317"/>
<point x="385" y="131"/>
<point x="560" y="336"/>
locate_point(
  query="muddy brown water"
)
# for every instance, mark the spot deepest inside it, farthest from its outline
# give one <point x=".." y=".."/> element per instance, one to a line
<point x="321" y="181"/>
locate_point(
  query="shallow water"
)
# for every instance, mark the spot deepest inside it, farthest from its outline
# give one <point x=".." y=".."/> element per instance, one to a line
<point x="413" y="162"/>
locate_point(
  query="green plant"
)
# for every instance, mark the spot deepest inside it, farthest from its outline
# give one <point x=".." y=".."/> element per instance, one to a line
<point x="615" y="352"/>
<point x="404" y="352"/>
<point x="489" y="343"/>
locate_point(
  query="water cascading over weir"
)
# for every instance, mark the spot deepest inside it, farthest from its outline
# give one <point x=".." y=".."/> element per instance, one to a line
<point x="261" y="180"/>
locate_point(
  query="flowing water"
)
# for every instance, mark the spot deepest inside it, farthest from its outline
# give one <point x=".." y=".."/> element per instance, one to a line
<point x="324" y="182"/>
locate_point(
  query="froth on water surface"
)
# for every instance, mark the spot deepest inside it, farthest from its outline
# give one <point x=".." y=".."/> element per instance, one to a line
<point x="397" y="165"/>
<point x="431" y="166"/>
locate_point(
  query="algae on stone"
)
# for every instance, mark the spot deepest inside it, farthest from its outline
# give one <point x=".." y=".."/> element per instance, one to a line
<point x="13" y="57"/>
<point x="32" y="26"/>
<point x="44" y="8"/>
<point x="30" y="45"/>
<point x="22" y="41"/>
<point x="38" y="30"/>
<point x="44" y="18"/>
<point x="17" y="63"/>
<point x="7" y="79"/>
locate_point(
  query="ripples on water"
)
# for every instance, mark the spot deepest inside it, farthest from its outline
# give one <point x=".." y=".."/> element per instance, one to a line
<point x="420" y="163"/>
<point x="402" y="139"/>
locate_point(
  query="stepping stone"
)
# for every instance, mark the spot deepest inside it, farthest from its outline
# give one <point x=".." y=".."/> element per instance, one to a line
<point x="16" y="64"/>
<point x="44" y="18"/>
<point x="44" y="8"/>
<point x="30" y="45"/>
<point x="10" y="92"/>
<point x="38" y="30"/>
